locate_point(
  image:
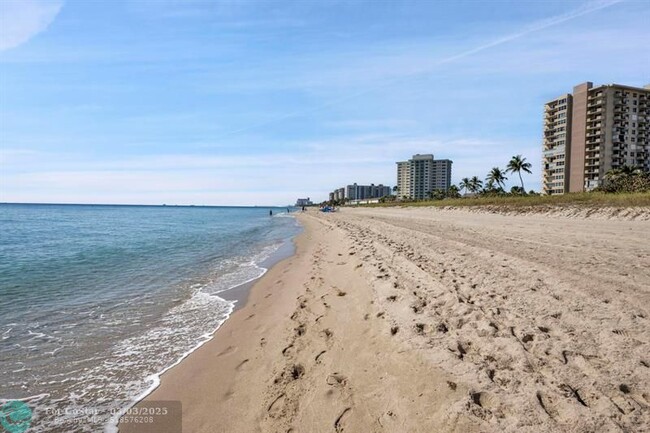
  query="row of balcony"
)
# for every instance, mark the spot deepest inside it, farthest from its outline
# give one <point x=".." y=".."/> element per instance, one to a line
<point x="595" y="103"/>
<point x="595" y="133"/>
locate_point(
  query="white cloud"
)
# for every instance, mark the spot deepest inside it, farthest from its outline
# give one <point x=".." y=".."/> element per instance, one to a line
<point x="21" y="20"/>
<point x="265" y="178"/>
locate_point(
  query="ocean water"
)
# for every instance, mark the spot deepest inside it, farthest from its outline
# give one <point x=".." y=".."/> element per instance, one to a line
<point x="97" y="301"/>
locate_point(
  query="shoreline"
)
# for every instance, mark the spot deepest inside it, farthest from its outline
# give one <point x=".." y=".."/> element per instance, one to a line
<point x="238" y="296"/>
<point x="430" y="320"/>
<point x="241" y="292"/>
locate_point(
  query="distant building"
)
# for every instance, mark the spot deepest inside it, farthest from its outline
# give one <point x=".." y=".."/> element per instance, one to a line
<point x="359" y="192"/>
<point x="421" y="175"/>
<point x="339" y="194"/>
<point x="592" y="131"/>
<point x="403" y="179"/>
<point x="362" y="192"/>
<point x="303" y="202"/>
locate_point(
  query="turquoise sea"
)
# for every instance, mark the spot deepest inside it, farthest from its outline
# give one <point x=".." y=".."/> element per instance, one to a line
<point x="97" y="301"/>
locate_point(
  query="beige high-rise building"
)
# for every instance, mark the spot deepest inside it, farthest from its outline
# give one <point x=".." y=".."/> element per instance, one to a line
<point x="591" y="131"/>
<point x="421" y="175"/>
<point x="403" y="179"/>
<point x="557" y="131"/>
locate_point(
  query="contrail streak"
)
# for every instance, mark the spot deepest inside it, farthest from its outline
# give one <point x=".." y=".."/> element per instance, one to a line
<point x="535" y="27"/>
<point x="540" y="25"/>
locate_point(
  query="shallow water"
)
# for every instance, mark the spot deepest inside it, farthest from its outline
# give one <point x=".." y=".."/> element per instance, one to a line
<point x="96" y="301"/>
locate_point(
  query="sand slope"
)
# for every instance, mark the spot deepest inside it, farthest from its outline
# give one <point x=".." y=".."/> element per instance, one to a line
<point x="429" y="320"/>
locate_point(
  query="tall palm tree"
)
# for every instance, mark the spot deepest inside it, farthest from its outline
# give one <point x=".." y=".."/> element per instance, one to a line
<point x="475" y="184"/>
<point x="518" y="164"/>
<point x="465" y="184"/>
<point x="498" y="176"/>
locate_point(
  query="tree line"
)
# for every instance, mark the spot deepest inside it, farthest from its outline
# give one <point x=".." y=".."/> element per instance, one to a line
<point x="494" y="184"/>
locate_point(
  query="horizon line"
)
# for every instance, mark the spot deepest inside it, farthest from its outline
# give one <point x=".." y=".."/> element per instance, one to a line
<point x="144" y="205"/>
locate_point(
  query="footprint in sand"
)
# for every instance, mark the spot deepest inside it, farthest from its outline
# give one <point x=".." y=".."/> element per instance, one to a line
<point x="241" y="364"/>
<point x="336" y="379"/>
<point x="276" y="406"/>
<point x="317" y="358"/>
<point x="338" y="423"/>
<point x="227" y="351"/>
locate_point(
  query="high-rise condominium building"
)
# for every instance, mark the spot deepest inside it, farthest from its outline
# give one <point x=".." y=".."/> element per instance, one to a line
<point x="421" y="175"/>
<point x="403" y="179"/>
<point x="360" y="192"/>
<point x="592" y="131"/>
<point x="363" y="192"/>
<point x="303" y="202"/>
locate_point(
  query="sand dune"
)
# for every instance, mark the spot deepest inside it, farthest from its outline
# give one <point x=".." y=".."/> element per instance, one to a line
<point x="425" y="320"/>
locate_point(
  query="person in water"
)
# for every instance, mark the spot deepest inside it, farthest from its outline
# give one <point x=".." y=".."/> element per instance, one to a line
<point x="270" y="212"/>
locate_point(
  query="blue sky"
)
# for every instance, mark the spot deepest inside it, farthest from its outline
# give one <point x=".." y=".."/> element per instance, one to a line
<point x="249" y="102"/>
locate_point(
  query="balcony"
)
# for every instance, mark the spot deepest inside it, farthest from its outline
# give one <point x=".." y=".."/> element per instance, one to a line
<point x="595" y="139"/>
<point x="595" y="103"/>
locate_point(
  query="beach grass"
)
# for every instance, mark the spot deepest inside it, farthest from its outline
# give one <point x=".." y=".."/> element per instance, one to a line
<point x="587" y="199"/>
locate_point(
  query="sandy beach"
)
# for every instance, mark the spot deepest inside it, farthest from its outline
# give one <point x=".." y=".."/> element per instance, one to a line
<point x="435" y="320"/>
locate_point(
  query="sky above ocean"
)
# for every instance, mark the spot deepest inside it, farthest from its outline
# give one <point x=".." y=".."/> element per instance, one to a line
<point x="261" y="102"/>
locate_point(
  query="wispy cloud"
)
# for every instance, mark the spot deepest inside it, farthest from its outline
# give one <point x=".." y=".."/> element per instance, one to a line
<point x="212" y="179"/>
<point x="537" y="26"/>
<point x="21" y="20"/>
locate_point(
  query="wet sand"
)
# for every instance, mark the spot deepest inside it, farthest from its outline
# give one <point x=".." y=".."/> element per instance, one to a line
<point x="421" y="320"/>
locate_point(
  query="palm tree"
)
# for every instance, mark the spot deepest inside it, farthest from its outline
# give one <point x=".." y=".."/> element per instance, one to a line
<point x="498" y="176"/>
<point x="475" y="184"/>
<point x="624" y="171"/>
<point x="518" y="164"/>
<point x="453" y="192"/>
<point x="489" y="185"/>
<point x="465" y="184"/>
